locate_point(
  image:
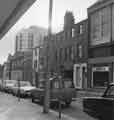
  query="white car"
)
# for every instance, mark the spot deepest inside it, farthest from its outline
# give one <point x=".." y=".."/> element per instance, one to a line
<point x="23" y="89"/>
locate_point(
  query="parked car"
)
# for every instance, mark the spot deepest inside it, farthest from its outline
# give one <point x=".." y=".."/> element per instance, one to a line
<point x="59" y="89"/>
<point x="23" y="88"/>
<point x="1" y="86"/>
<point x="101" y="107"/>
<point x="8" y="84"/>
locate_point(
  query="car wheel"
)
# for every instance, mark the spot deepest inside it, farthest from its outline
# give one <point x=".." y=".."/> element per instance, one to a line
<point x="32" y="100"/>
<point x="68" y="102"/>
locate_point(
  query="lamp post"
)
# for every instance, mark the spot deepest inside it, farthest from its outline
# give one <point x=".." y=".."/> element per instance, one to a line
<point x="47" y="84"/>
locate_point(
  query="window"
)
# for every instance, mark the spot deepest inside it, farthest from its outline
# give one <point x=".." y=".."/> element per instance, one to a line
<point x="80" y="51"/>
<point x="81" y="29"/>
<point x="35" y="52"/>
<point x="35" y="64"/>
<point x="60" y="53"/>
<point x="65" y="53"/>
<point x="68" y="84"/>
<point x="72" y="53"/>
<point x="56" y="84"/>
<point x="73" y="32"/>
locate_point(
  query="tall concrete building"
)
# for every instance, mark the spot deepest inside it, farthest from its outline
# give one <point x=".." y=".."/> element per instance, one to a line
<point x="26" y="39"/>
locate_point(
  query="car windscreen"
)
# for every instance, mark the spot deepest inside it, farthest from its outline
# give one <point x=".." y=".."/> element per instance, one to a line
<point x="22" y="84"/>
<point x="110" y="91"/>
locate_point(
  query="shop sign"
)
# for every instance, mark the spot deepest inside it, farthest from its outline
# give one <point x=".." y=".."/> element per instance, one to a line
<point x="101" y="69"/>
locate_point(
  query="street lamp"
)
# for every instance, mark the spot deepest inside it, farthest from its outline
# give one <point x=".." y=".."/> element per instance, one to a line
<point x="47" y="84"/>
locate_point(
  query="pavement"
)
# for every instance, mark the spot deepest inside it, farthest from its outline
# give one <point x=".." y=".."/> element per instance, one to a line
<point x="12" y="109"/>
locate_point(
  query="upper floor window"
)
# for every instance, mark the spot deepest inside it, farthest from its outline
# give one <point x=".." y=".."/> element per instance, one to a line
<point x="35" y="51"/>
<point x="81" y="29"/>
<point x="80" y="51"/>
<point x="73" y="32"/>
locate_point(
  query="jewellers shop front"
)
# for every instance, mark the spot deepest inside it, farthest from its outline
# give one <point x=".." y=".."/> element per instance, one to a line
<point x="100" y="72"/>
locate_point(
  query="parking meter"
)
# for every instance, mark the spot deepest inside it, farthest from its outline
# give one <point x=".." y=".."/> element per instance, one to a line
<point x="18" y="90"/>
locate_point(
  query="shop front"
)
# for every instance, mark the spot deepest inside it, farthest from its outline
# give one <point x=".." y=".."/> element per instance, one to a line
<point x="100" y="76"/>
<point x="100" y="71"/>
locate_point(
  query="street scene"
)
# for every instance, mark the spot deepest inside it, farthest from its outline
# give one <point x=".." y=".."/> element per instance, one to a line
<point x="13" y="109"/>
<point x="56" y="60"/>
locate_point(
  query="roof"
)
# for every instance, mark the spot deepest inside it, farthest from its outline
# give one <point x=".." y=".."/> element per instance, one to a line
<point x="10" y="12"/>
<point x="99" y="4"/>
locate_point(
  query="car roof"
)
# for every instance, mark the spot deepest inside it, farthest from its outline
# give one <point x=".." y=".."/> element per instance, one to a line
<point x="112" y="83"/>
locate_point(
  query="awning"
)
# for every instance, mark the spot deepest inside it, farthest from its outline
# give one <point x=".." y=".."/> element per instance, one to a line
<point x="10" y="12"/>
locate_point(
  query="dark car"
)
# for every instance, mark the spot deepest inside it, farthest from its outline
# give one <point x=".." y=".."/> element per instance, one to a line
<point x="67" y="91"/>
<point x="101" y="107"/>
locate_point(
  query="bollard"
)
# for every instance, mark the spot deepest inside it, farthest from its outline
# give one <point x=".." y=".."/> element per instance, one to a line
<point x="18" y="90"/>
<point x="59" y="109"/>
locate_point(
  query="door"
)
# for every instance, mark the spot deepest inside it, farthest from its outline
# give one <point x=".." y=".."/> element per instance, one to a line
<point x="77" y="76"/>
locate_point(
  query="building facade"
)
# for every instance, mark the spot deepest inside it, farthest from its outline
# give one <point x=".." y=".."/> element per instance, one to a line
<point x="37" y="56"/>
<point x="26" y="39"/>
<point x="17" y="66"/>
<point x="67" y="51"/>
<point x="21" y="68"/>
<point x="101" y="44"/>
<point x="7" y="68"/>
<point x="80" y="66"/>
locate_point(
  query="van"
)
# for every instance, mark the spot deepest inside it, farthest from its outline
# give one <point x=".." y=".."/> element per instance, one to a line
<point x="62" y="89"/>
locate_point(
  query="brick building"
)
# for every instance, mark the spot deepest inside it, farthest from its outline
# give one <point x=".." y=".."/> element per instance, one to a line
<point x="101" y="44"/>
<point x="21" y="66"/>
<point x="81" y="43"/>
<point x="67" y="51"/>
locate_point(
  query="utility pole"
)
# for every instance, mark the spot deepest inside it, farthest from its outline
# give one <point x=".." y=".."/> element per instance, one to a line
<point x="47" y="82"/>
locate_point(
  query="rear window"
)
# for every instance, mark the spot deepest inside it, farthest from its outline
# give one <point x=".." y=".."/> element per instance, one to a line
<point x="110" y="91"/>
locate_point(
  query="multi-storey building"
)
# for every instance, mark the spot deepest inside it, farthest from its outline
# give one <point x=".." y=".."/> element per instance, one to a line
<point x="21" y="68"/>
<point x="101" y="44"/>
<point x="81" y="56"/>
<point x="17" y="66"/>
<point x="24" y="41"/>
<point x="29" y="38"/>
<point x="27" y="41"/>
<point x="40" y="33"/>
<point x="67" y="51"/>
<point x="1" y="71"/>
<point x="7" y="68"/>
<point x="37" y="65"/>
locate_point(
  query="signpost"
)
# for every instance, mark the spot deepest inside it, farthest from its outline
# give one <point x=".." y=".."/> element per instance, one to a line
<point x="47" y="82"/>
<point x="60" y="86"/>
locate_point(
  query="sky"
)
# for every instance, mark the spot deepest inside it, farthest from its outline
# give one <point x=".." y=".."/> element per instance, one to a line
<point x="37" y="15"/>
